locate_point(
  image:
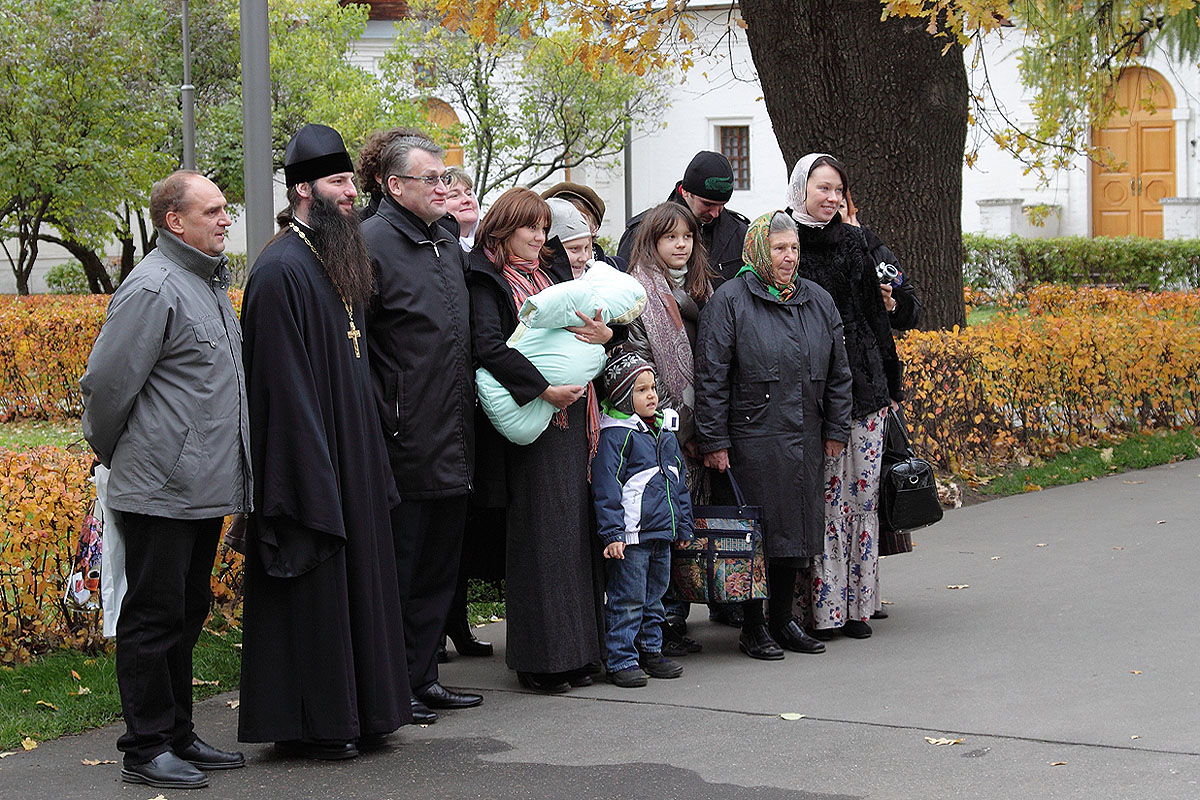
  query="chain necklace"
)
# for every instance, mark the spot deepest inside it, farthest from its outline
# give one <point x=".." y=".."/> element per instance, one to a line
<point x="354" y="333"/>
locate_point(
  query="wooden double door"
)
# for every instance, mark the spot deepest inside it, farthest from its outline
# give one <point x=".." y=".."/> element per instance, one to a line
<point x="1126" y="200"/>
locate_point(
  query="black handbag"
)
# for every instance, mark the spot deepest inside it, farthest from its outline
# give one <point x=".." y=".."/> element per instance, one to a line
<point x="908" y="496"/>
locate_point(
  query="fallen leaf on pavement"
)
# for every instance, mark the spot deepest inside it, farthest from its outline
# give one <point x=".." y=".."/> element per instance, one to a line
<point x="1058" y="763"/>
<point x="158" y="797"/>
<point x="1135" y="672"/>
<point x="1043" y="544"/>
<point x="48" y="705"/>
<point x="75" y="675"/>
<point x="1135" y="736"/>
<point x="233" y="703"/>
<point x="1133" y="483"/>
<point x="8" y="753"/>
<point x="29" y="744"/>
<point x="1118" y="548"/>
<point x="996" y="558"/>
<point x="790" y="716"/>
<point x="95" y="762"/>
<point x="959" y="586"/>
<point x="942" y="740"/>
<point x="1161" y="522"/>
<point x="198" y="682"/>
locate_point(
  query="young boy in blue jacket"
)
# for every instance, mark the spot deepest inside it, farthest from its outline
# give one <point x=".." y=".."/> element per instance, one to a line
<point x="642" y="505"/>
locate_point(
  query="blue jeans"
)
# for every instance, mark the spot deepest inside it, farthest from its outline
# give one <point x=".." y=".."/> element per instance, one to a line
<point x="633" y="610"/>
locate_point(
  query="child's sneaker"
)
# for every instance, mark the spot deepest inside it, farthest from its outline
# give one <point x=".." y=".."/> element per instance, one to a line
<point x="632" y="678"/>
<point x="659" y="667"/>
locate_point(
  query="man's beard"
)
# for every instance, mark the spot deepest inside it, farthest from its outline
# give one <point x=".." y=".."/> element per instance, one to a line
<point x="343" y="251"/>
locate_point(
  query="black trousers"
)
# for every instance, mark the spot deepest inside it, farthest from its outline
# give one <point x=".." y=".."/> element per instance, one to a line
<point x="167" y="566"/>
<point x="781" y="588"/>
<point x="428" y="536"/>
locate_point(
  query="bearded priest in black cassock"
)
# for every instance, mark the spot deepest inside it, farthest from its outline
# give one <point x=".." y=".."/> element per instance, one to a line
<point x="324" y="673"/>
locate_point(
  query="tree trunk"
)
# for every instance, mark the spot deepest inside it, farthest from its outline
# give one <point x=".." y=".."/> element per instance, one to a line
<point x="883" y="99"/>
<point x="98" y="279"/>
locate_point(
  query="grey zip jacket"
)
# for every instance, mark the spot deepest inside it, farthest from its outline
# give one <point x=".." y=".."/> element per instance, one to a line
<point x="164" y="394"/>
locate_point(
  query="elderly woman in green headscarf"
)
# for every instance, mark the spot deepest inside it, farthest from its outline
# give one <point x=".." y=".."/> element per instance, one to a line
<point x="772" y="402"/>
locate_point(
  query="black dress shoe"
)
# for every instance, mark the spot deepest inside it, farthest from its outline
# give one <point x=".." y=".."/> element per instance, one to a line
<point x="465" y="642"/>
<point x="320" y="749"/>
<point x="437" y="696"/>
<point x="824" y="634"/>
<point x="756" y="642"/>
<point x="421" y="714"/>
<point x="730" y="614"/>
<point x="579" y="678"/>
<point x="544" y="682"/>
<point x="793" y="637"/>
<point x="856" y="629"/>
<point x="205" y="756"/>
<point x="165" y="771"/>
<point x="373" y="741"/>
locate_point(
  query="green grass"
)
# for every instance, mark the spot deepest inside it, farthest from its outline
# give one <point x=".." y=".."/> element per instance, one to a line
<point x="28" y="434"/>
<point x="49" y="679"/>
<point x="484" y="601"/>
<point x="1136" y="452"/>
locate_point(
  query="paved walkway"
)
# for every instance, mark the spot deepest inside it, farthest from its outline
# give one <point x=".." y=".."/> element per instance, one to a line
<point x="1068" y="669"/>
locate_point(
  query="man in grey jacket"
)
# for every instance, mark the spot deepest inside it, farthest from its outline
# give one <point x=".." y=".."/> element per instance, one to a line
<point x="165" y="409"/>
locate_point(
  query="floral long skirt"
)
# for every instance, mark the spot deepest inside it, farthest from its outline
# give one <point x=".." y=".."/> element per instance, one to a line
<point x="842" y="584"/>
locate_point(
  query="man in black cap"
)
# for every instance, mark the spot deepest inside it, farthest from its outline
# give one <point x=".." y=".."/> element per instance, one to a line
<point x="706" y="187"/>
<point x="324" y="673"/>
<point x="419" y="332"/>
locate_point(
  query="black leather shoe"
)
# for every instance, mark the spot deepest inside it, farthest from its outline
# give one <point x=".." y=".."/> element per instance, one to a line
<point x="421" y="714"/>
<point x="373" y="741"/>
<point x="317" y="749"/>
<point x="544" y="682"/>
<point x="756" y="642"/>
<point x="856" y="629"/>
<point x="793" y="637"/>
<point x="824" y="634"/>
<point x="205" y="756"/>
<point x="465" y="642"/>
<point x="579" y="678"/>
<point x="882" y="613"/>
<point x="165" y="771"/>
<point x="437" y="696"/>
<point x="730" y="614"/>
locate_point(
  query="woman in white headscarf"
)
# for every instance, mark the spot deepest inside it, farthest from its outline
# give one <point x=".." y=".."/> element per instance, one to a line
<point x="837" y="593"/>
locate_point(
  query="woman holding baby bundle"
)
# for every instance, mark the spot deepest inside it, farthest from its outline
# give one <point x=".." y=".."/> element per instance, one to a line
<point x="553" y="618"/>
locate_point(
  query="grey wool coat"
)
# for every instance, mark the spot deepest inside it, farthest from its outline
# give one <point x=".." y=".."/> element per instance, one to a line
<point x="772" y="383"/>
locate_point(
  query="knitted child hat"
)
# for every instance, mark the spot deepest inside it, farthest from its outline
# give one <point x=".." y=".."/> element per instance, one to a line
<point x="619" y="376"/>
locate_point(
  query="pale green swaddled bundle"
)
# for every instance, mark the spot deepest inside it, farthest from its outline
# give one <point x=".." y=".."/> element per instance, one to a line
<point x="558" y="355"/>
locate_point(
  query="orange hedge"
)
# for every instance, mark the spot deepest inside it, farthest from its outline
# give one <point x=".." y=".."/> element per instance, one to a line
<point x="1082" y="364"/>
<point x="44" y="345"/>
<point x="44" y="496"/>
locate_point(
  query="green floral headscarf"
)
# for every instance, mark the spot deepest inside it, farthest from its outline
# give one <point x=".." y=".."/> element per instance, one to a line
<point x="756" y="254"/>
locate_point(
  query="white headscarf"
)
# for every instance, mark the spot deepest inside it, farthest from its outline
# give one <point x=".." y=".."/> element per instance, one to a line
<point x="797" y="193"/>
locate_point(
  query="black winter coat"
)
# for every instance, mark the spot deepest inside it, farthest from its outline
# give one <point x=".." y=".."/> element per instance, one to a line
<point x="836" y="258"/>
<point x="724" y="237"/>
<point x="772" y="384"/>
<point x="908" y="308"/>
<point x="418" y="331"/>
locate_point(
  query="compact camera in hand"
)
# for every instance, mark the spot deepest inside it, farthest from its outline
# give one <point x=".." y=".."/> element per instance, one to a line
<point x="888" y="273"/>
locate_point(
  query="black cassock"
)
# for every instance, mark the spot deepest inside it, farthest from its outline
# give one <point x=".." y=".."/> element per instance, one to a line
<point x="323" y="639"/>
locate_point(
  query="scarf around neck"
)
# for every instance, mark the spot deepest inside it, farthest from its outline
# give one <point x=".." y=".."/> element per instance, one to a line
<point x="798" y="191"/>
